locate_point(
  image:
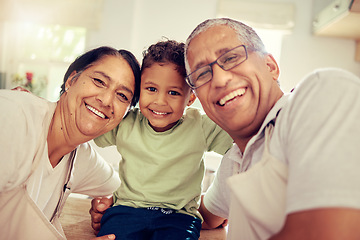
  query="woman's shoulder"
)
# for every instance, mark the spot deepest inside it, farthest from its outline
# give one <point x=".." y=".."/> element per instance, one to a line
<point x="25" y="110"/>
<point x="27" y="102"/>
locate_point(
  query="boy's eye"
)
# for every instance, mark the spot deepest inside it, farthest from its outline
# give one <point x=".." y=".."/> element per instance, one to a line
<point x="174" y="93"/>
<point x="151" y="89"/>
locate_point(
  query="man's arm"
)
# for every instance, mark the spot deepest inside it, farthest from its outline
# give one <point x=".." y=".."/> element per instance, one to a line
<point x="210" y="220"/>
<point x="321" y="224"/>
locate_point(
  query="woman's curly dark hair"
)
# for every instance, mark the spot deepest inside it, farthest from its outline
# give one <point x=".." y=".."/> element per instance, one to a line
<point x="164" y="52"/>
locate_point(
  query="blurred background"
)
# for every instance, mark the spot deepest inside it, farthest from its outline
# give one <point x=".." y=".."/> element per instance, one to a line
<point x="40" y="38"/>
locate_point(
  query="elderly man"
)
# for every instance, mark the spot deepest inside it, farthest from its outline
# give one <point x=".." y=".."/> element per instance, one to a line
<point x="294" y="171"/>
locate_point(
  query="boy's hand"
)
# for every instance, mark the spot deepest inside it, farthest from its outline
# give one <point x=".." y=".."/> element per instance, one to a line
<point x="97" y="210"/>
<point x="106" y="237"/>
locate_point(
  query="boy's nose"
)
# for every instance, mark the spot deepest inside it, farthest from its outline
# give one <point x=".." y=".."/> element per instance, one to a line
<point x="161" y="99"/>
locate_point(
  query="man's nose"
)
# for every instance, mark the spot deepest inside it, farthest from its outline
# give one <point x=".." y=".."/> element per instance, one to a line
<point x="220" y="77"/>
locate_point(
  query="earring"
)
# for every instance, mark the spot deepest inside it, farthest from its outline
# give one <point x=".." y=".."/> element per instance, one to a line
<point x="66" y="89"/>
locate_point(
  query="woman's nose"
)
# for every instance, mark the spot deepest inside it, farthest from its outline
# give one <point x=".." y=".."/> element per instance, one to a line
<point x="106" y="97"/>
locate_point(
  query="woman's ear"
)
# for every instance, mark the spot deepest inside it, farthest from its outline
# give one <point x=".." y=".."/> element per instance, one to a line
<point x="69" y="80"/>
<point x="272" y="66"/>
<point x="192" y="98"/>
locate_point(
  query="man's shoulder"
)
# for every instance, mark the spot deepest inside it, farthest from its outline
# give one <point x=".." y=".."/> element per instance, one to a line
<point x="326" y="82"/>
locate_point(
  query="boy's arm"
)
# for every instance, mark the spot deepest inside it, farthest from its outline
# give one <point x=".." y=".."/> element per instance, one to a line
<point x="217" y="139"/>
<point x="210" y="220"/>
<point x="107" y="139"/>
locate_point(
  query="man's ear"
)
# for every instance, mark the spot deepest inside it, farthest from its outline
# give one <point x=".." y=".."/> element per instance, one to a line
<point x="192" y="98"/>
<point x="272" y="66"/>
<point x="69" y="79"/>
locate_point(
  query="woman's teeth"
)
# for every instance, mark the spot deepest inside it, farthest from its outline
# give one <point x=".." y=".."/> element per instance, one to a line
<point x="232" y="95"/>
<point x="100" y="114"/>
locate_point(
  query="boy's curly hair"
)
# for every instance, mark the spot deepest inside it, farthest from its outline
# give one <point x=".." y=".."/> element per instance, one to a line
<point x="164" y="52"/>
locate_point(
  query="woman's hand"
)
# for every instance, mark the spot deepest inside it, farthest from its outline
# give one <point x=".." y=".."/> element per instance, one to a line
<point x="21" y="89"/>
<point x="97" y="210"/>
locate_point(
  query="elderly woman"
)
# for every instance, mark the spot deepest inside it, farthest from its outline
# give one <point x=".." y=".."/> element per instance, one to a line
<point x="44" y="149"/>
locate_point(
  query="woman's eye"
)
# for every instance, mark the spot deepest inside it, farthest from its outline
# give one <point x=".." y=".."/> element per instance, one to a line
<point x="123" y="97"/>
<point x="98" y="82"/>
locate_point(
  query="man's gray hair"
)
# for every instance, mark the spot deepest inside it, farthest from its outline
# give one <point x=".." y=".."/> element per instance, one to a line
<point x="246" y="35"/>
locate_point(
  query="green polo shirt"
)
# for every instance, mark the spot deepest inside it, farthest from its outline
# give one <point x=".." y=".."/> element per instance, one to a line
<point x="164" y="169"/>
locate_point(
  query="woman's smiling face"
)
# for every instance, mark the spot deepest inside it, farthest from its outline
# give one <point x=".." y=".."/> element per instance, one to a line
<point x="99" y="97"/>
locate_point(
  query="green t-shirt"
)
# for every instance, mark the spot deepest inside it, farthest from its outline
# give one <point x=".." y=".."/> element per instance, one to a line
<point x="164" y="169"/>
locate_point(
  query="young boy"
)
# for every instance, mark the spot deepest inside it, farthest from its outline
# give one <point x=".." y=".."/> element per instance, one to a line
<point x="162" y="152"/>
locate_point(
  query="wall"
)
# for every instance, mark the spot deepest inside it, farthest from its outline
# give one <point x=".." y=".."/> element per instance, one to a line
<point x="2" y="56"/>
<point x="302" y="52"/>
<point x="134" y="25"/>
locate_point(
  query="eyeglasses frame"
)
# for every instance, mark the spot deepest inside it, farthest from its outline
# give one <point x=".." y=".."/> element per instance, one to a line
<point x="188" y="81"/>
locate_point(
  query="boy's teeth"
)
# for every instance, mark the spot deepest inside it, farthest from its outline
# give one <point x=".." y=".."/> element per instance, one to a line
<point x="238" y="92"/>
<point x="160" y="113"/>
<point x="100" y="114"/>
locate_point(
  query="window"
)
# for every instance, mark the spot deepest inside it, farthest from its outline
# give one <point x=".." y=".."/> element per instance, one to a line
<point x="43" y="52"/>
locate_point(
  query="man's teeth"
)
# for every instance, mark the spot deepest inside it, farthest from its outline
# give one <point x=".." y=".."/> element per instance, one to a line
<point x="159" y="113"/>
<point x="100" y="114"/>
<point x="238" y="92"/>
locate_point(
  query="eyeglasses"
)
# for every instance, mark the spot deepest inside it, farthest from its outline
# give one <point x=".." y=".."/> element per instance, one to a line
<point x="226" y="61"/>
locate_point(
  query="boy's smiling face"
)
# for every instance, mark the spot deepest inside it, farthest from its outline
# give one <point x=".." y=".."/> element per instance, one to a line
<point x="164" y="95"/>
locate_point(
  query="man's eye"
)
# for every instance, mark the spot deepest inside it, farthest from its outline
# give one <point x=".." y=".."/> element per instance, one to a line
<point x="203" y="74"/>
<point x="231" y="58"/>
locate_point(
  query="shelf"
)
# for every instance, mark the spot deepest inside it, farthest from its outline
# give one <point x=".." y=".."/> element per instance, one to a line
<point x="341" y="19"/>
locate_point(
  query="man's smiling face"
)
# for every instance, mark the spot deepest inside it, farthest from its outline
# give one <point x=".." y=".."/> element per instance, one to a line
<point x="239" y="99"/>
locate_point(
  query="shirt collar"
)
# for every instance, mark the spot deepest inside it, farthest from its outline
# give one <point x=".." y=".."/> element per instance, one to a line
<point x="271" y="116"/>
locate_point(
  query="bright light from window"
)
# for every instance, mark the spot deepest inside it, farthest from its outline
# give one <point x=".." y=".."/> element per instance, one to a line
<point x="46" y="41"/>
<point x="272" y="40"/>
